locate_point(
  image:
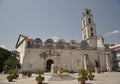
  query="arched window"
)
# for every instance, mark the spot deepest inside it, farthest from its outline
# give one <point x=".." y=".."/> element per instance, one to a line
<point x="87" y="12"/>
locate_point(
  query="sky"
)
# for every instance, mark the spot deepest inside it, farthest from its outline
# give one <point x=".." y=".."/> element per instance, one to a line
<point x="57" y="19"/>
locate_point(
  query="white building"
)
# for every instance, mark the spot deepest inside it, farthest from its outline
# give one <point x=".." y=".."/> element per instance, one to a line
<point x="36" y="54"/>
<point x="115" y="51"/>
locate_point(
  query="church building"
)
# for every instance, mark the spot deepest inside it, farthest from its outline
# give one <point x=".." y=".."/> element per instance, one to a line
<point x="73" y="56"/>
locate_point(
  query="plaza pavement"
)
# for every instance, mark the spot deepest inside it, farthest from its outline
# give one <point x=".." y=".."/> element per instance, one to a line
<point x="104" y="78"/>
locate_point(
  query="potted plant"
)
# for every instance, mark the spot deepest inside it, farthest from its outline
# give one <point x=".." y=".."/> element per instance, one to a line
<point x="29" y="73"/>
<point x="90" y="75"/>
<point x="61" y="72"/>
<point x="83" y="76"/>
<point x="15" y="74"/>
<point x="40" y="78"/>
<point x="10" y="76"/>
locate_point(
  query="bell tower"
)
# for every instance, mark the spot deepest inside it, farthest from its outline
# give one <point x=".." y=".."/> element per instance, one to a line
<point x="89" y="28"/>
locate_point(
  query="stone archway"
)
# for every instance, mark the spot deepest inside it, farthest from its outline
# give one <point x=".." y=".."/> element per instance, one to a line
<point x="48" y="64"/>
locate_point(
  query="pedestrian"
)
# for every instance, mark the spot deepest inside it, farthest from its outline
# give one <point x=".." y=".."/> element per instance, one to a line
<point x="23" y="73"/>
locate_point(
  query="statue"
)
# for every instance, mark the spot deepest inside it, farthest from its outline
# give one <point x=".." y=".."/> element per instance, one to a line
<point x="96" y="63"/>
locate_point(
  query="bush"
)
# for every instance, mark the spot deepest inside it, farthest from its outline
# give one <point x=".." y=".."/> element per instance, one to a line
<point x="15" y="74"/>
<point x="40" y="72"/>
<point x="39" y="78"/>
<point x="10" y="78"/>
<point x="29" y="73"/>
<point x="83" y="74"/>
<point x="10" y="71"/>
<point x="90" y="75"/>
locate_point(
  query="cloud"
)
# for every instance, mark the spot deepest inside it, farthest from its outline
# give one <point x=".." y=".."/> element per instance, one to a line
<point x="55" y="39"/>
<point x="113" y="32"/>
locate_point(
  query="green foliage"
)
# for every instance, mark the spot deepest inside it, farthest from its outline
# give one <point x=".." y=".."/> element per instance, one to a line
<point x="86" y="74"/>
<point x="4" y="55"/>
<point x="10" y="78"/>
<point x="12" y="63"/>
<point x="29" y="73"/>
<point x="90" y="75"/>
<point x="39" y="78"/>
<point x="83" y="74"/>
<point x="8" y="60"/>
<point x="10" y="71"/>
<point x="90" y="70"/>
<point x="13" y="74"/>
<point x="40" y="72"/>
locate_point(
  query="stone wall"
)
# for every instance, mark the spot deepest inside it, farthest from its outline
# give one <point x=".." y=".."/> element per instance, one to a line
<point x="68" y="59"/>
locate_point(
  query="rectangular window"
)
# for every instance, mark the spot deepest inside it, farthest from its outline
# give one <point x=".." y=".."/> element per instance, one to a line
<point x="91" y="28"/>
<point x="89" y="20"/>
<point x="92" y="35"/>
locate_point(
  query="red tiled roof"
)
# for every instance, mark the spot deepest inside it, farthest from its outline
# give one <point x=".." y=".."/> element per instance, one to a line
<point x="29" y="40"/>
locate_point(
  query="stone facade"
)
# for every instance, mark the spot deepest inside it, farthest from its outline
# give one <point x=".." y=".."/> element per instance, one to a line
<point x="73" y="56"/>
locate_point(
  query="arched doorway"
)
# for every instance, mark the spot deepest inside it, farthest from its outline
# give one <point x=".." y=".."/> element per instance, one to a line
<point x="48" y="64"/>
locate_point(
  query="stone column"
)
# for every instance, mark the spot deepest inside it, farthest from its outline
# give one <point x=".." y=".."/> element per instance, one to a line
<point x="85" y="63"/>
<point x="52" y="68"/>
<point x="107" y="62"/>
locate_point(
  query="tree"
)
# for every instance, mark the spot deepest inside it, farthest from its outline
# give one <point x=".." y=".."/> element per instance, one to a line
<point x="4" y="55"/>
<point x="8" y="60"/>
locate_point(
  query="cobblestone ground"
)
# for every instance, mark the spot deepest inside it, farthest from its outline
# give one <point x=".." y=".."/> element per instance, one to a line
<point x="105" y="78"/>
